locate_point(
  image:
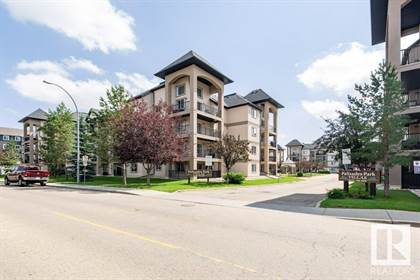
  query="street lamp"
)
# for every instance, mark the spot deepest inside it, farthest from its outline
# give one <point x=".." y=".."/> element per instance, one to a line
<point x="78" y="128"/>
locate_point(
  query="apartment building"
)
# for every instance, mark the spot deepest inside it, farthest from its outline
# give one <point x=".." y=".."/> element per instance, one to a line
<point x="391" y="20"/>
<point x="294" y="150"/>
<point x="8" y="135"/>
<point x="32" y="136"/>
<point x="195" y="90"/>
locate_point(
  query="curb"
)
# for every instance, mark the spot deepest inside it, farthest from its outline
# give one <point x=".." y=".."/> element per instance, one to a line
<point x="90" y="189"/>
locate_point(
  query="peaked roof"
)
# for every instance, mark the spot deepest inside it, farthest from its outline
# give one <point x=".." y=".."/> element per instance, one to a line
<point x="258" y="95"/>
<point x="294" y="142"/>
<point x="309" y="146"/>
<point x="235" y="100"/>
<point x="280" y="148"/>
<point x="191" y="58"/>
<point x="38" y="114"/>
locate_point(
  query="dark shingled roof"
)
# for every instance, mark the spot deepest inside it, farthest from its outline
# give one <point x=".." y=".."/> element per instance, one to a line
<point x="235" y="100"/>
<point x="38" y="114"/>
<point x="294" y="142"/>
<point x="258" y="95"/>
<point x="280" y="148"/>
<point x="191" y="58"/>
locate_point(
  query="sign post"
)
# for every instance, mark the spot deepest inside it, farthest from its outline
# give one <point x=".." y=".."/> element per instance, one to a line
<point x="85" y="160"/>
<point x="209" y="165"/>
<point x="371" y="177"/>
<point x="346" y="157"/>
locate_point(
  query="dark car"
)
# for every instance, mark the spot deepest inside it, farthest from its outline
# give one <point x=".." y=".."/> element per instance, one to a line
<point x="24" y="175"/>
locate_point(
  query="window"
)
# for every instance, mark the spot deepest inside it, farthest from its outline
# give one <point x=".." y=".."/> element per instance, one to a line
<point x="253" y="113"/>
<point x="253" y="150"/>
<point x="254" y="168"/>
<point x="200" y="93"/>
<point x="6" y="137"/>
<point x="17" y="138"/>
<point x="254" y="131"/>
<point x="134" y="167"/>
<point x="180" y="90"/>
<point x="180" y="104"/>
<point x="158" y="168"/>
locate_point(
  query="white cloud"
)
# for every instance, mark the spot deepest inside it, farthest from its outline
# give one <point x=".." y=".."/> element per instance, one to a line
<point x="84" y="64"/>
<point x="340" y="70"/>
<point x="95" y="24"/>
<point x="42" y="66"/>
<point x="136" y="83"/>
<point x="324" y="109"/>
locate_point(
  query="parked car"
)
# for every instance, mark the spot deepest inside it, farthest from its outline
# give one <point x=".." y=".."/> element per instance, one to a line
<point x="25" y="175"/>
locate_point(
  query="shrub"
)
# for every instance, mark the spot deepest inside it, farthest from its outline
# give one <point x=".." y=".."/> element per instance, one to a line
<point x="234" y="178"/>
<point x="336" y="194"/>
<point x="299" y="174"/>
<point x="324" y="172"/>
<point x="357" y="190"/>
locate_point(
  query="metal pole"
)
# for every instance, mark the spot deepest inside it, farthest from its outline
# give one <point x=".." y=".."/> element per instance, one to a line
<point x="78" y="129"/>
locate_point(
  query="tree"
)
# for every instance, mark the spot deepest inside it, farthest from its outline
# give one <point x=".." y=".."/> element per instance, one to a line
<point x="146" y="135"/>
<point x="9" y="156"/>
<point x="100" y="123"/>
<point x="57" y="138"/>
<point x="232" y="150"/>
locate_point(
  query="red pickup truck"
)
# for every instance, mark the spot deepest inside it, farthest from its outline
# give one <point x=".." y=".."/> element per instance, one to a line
<point x="24" y="175"/>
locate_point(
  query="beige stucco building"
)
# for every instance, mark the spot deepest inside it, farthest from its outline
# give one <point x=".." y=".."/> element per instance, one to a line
<point x="196" y="91"/>
<point x="391" y="20"/>
<point x="32" y="137"/>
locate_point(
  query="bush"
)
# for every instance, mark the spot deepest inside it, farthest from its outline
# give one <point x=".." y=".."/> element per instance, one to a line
<point x="234" y="178"/>
<point x="336" y="194"/>
<point x="299" y="174"/>
<point x="358" y="190"/>
<point x="324" y="172"/>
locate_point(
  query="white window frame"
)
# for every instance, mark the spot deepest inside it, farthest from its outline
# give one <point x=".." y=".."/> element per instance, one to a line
<point x="253" y="168"/>
<point x="6" y="137"/>
<point x="253" y="131"/>
<point x="252" y="150"/>
<point x="253" y="113"/>
<point x="177" y="94"/>
<point x="179" y="101"/>
<point x="17" y="138"/>
<point x="134" y="170"/>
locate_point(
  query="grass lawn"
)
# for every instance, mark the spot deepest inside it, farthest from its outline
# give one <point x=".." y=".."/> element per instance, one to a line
<point x="398" y="200"/>
<point x="168" y="185"/>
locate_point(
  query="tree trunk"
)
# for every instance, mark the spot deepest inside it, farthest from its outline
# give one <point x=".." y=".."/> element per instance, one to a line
<point x="386" y="181"/>
<point x="125" y="174"/>
<point x="148" y="179"/>
<point x="227" y="177"/>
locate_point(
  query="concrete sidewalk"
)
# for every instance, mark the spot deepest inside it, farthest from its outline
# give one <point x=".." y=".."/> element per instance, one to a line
<point x="383" y="215"/>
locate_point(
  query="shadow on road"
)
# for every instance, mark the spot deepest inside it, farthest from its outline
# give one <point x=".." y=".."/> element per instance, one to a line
<point x="46" y="188"/>
<point x="294" y="200"/>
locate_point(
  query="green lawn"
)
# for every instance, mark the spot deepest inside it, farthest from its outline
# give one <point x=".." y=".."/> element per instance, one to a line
<point x="168" y="185"/>
<point x="398" y="200"/>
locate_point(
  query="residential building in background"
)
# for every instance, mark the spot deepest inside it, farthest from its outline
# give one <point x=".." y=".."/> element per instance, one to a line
<point x="294" y="150"/>
<point x="195" y="89"/>
<point x="390" y="21"/>
<point x="32" y="137"/>
<point x="8" y="135"/>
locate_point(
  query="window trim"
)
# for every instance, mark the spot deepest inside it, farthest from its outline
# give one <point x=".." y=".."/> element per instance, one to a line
<point x="176" y="90"/>
<point x="202" y="93"/>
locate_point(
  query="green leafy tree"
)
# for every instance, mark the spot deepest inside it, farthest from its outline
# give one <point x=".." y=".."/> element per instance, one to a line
<point x="57" y="138"/>
<point x="9" y="156"/>
<point x="102" y="129"/>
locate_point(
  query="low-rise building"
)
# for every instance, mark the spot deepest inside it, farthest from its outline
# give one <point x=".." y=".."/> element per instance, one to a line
<point x="32" y="136"/>
<point x="8" y="135"/>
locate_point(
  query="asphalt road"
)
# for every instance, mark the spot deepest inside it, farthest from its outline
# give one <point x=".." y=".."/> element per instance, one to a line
<point x="60" y="234"/>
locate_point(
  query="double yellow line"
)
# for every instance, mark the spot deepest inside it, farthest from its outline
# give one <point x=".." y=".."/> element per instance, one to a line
<point x="153" y="241"/>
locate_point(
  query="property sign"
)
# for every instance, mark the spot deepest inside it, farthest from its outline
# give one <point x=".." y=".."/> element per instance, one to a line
<point x="371" y="176"/>
<point x="85" y="160"/>
<point x="199" y="173"/>
<point x="346" y="156"/>
<point x="209" y="160"/>
<point x="416" y="165"/>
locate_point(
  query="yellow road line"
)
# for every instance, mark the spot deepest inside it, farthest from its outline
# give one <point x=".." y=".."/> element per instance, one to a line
<point x="154" y="241"/>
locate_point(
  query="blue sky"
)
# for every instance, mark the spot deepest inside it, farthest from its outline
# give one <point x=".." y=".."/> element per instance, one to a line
<point x="306" y="54"/>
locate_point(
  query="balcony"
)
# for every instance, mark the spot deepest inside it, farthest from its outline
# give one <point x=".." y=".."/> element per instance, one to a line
<point x="272" y="158"/>
<point x="181" y="107"/>
<point x="206" y="152"/>
<point x="182" y="129"/>
<point x="208" y="131"/>
<point x="410" y="55"/>
<point x="212" y="110"/>
<point x="411" y="142"/>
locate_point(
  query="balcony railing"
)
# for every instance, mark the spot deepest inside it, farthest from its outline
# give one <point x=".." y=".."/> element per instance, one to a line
<point x="177" y="174"/>
<point x="212" y="110"/>
<point x="181" y="107"/>
<point x="411" y="141"/>
<point x="182" y="129"/>
<point x="272" y="158"/>
<point x="209" y="131"/>
<point x="206" y="152"/>
<point x="410" y="55"/>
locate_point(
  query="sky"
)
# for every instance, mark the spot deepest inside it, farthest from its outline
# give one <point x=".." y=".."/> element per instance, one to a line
<point x="306" y="54"/>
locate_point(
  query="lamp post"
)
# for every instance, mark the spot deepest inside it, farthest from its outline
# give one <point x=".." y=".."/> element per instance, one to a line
<point x="78" y="128"/>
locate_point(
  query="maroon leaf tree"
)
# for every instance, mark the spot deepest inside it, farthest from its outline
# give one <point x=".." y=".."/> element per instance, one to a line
<point x="146" y="134"/>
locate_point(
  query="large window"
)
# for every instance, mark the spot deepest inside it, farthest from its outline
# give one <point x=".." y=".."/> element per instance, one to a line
<point x="253" y="150"/>
<point x="180" y="90"/>
<point x="6" y="137"/>
<point x="254" y="131"/>
<point x="254" y="168"/>
<point x="180" y="104"/>
<point x="134" y="167"/>
<point x="254" y="113"/>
